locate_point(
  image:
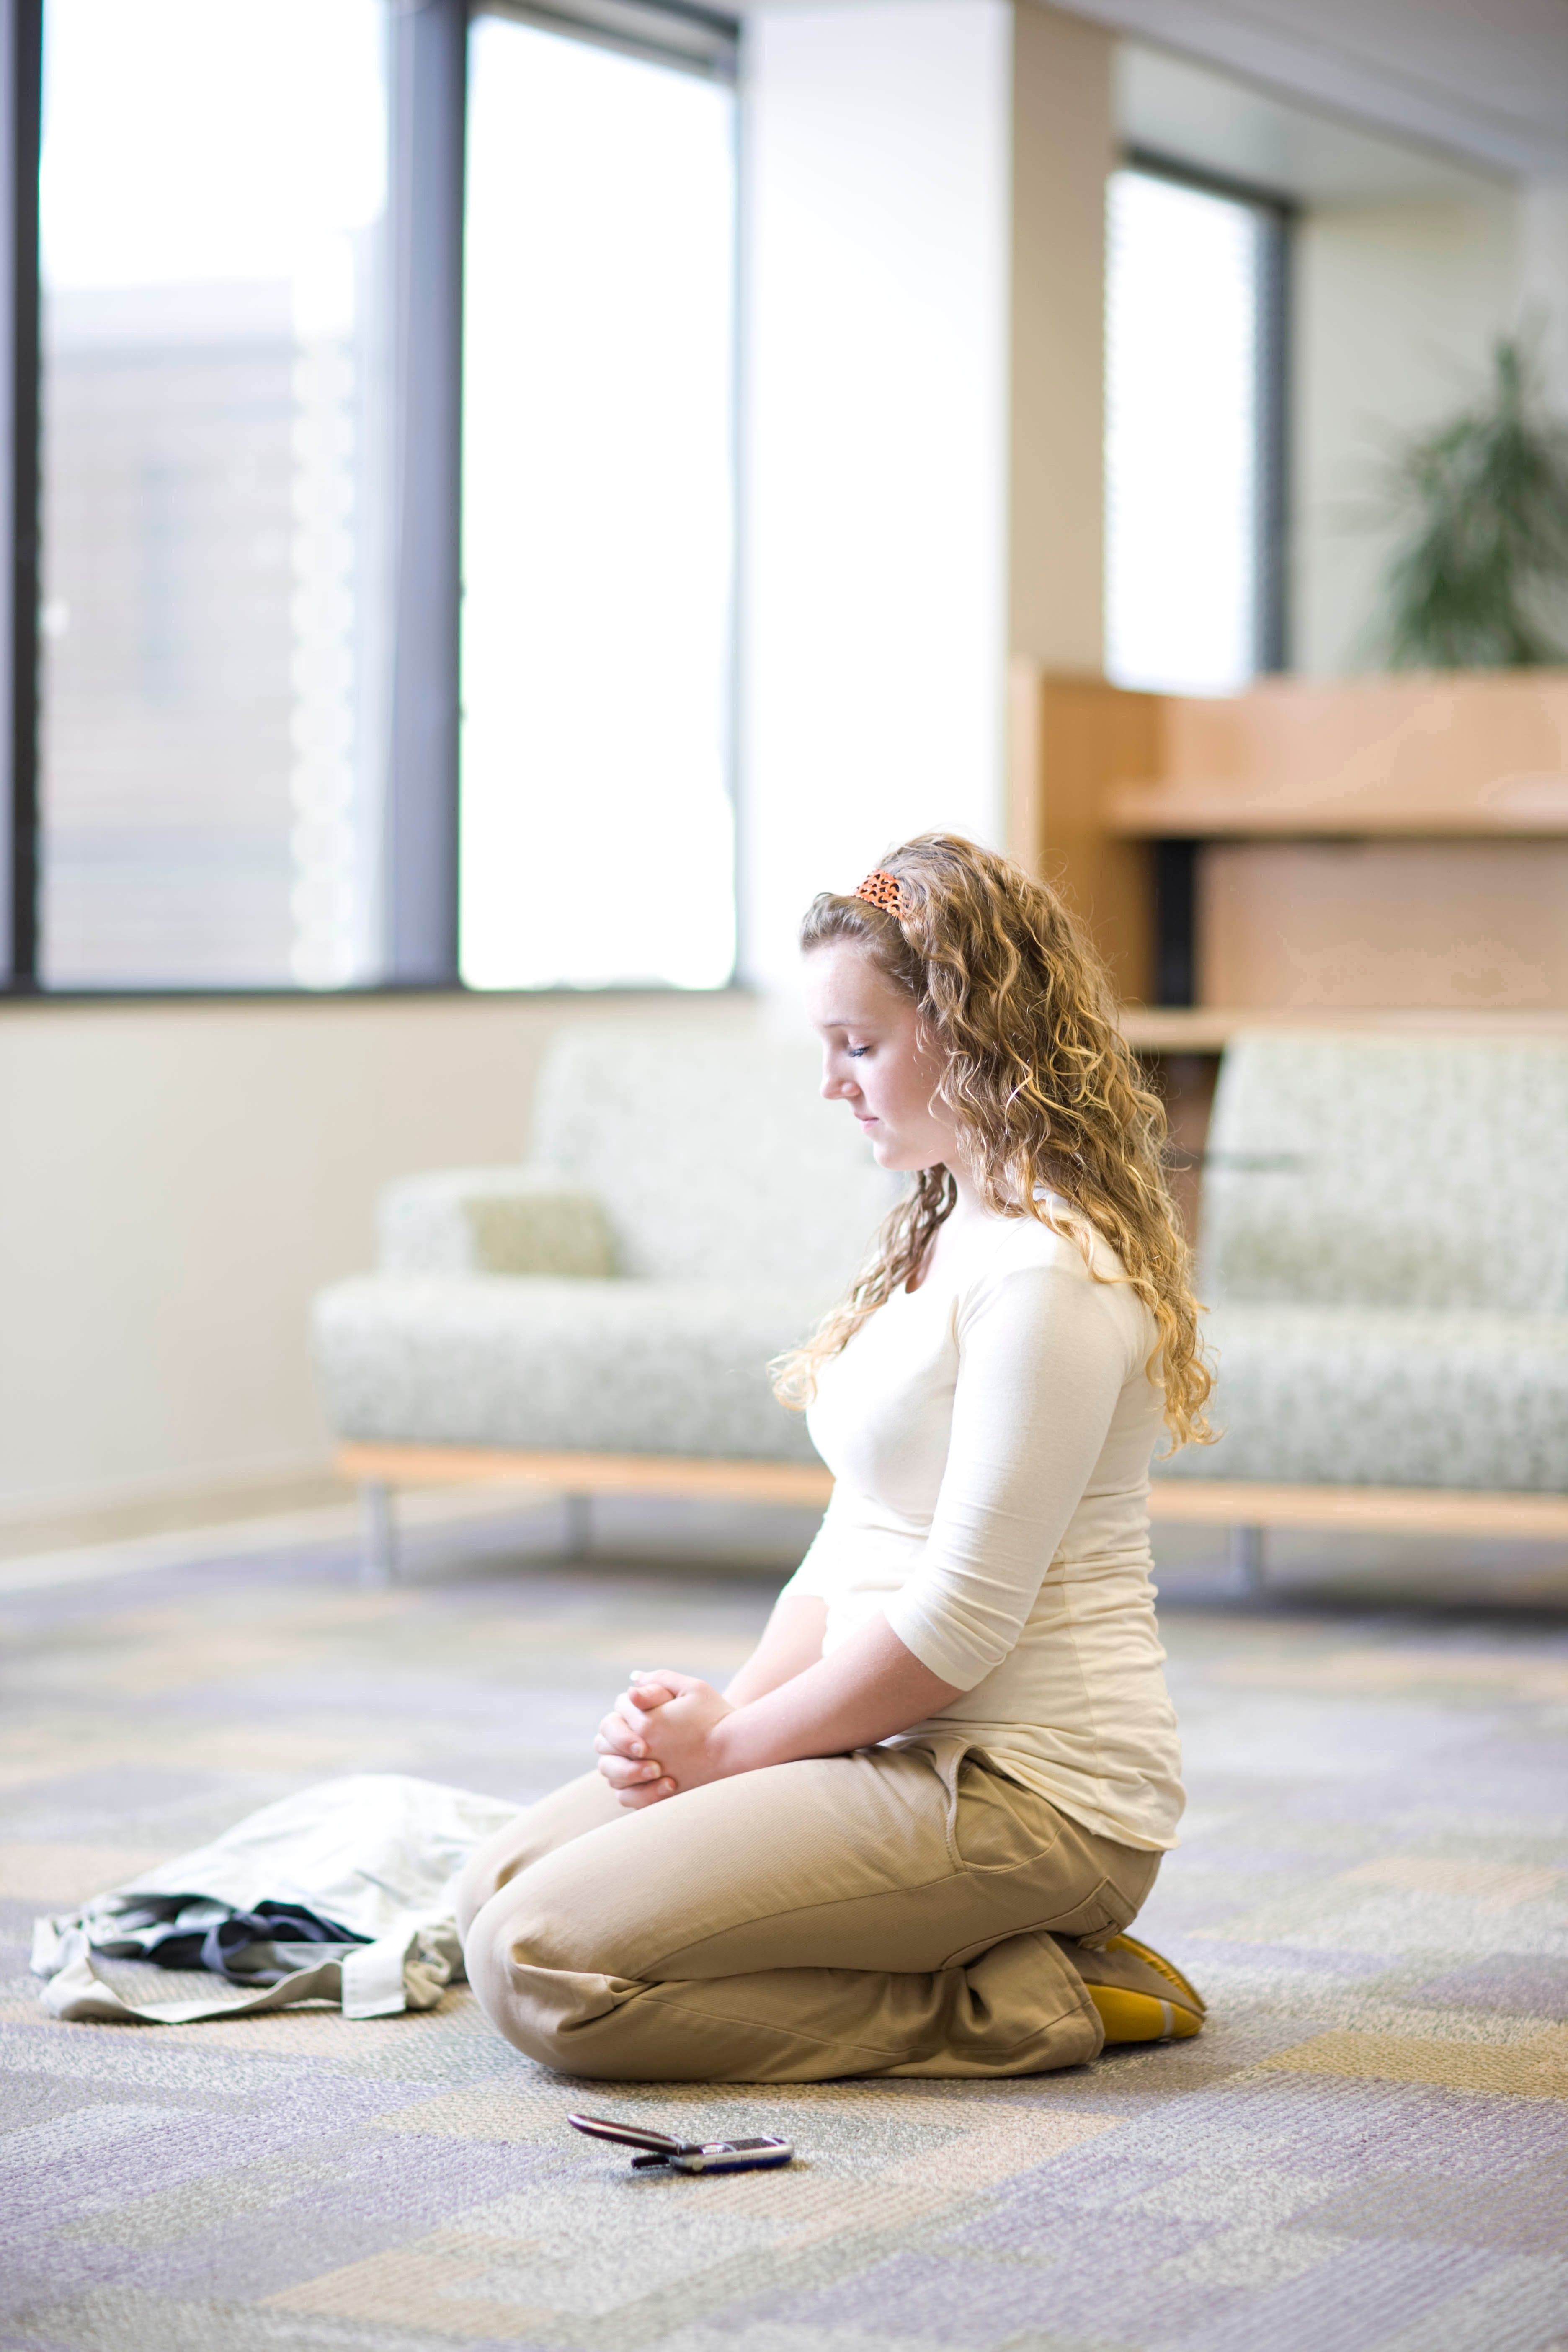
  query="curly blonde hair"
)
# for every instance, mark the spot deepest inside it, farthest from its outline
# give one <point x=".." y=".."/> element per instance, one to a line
<point x="1041" y="1086"/>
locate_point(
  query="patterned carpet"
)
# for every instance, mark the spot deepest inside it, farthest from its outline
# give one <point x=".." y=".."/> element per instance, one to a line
<point x="1367" y="2148"/>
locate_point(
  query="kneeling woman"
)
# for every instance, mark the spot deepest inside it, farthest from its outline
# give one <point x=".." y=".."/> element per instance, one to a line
<point x="906" y="1838"/>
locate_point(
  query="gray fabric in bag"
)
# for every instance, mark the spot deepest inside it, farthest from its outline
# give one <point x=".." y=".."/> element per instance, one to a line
<point x="376" y="1855"/>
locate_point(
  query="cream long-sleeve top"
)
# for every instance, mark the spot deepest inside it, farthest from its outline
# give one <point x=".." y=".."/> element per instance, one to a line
<point x="990" y="1435"/>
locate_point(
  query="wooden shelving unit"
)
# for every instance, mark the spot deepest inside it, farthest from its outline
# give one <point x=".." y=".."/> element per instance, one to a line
<point x="1196" y="833"/>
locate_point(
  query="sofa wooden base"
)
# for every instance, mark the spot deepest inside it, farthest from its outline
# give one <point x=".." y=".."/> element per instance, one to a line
<point x="379" y="1470"/>
<point x="1248" y="1509"/>
<point x="1365" y="1510"/>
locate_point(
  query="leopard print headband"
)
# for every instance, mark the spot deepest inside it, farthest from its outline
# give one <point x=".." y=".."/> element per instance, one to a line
<point x="886" y="891"/>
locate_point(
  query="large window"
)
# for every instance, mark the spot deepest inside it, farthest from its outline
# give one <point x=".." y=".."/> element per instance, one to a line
<point x="374" y="398"/>
<point x="213" y="188"/>
<point x="1195" y="441"/>
<point x="597" y="531"/>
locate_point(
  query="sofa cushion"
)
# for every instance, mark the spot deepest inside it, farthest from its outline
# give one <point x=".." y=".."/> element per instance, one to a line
<point x="1381" y="1397"/>
<point x="716" y="1159"/>
<point x="1389" y="1172"/>
<point x="491" y="1221"/>
<point x="556" y="1365"/>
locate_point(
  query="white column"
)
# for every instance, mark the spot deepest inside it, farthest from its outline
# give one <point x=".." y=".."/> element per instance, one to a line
<point x="924" y="264"/>
<point x="874" y="590"/>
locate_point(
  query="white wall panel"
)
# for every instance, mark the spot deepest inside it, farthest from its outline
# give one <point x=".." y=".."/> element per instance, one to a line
<point x="875" y="443"/>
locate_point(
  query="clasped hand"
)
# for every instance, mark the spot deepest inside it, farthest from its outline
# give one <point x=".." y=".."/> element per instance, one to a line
<point x="659" y="1737"/>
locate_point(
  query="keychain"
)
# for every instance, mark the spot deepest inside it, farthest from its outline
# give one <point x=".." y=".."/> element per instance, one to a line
<point x="689" y="2156"/>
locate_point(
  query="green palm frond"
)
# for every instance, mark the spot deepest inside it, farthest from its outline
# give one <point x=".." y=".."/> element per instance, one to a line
<point x="1480" y="580"/>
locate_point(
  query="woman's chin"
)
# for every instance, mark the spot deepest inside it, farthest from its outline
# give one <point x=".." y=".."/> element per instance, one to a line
<point x="900" y="1159"/>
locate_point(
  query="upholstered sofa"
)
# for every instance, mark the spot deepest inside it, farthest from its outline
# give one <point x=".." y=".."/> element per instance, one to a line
<point x="687" y="1209"/>
<point x="1384" y="1251"/>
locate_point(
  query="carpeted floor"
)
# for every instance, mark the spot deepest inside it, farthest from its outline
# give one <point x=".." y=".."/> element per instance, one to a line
<point x="1367" y="2148"/>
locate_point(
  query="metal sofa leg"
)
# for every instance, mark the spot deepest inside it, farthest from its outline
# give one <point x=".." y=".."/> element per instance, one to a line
<point x="1247" y="1558"/>
<point x="378" y="1536"/>
<point x="579" y="1531"/>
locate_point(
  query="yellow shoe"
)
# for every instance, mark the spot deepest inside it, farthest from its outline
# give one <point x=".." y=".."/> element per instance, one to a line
<point x="1139" y="1996"/>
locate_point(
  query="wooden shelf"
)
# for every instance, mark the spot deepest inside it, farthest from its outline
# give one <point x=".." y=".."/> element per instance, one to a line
<point x="1231" y="813"/>
<point x="1208" y="1029"/>
<point x="1393" y="759"/>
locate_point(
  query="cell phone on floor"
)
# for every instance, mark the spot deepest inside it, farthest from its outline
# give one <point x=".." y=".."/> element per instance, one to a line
<point x="688" y="2155"/>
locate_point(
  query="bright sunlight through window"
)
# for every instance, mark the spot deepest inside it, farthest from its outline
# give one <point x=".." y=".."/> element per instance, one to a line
<point x="1183" y="437"/>
<point x="597" y="518"/>
<point x="212" y="192"/>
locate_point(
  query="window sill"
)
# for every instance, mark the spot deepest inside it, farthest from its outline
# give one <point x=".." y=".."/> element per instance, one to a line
<point x="32" y="1000"/>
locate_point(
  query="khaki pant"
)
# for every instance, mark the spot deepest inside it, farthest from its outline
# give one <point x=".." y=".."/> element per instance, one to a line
<point x="890" y="1912"/>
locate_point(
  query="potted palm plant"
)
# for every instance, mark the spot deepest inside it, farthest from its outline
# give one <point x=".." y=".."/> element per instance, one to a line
<point x="1479" y="579"/>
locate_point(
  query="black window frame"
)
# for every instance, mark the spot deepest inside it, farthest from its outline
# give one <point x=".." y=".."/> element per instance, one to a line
<point x="1174" y="863"/>
<point x="1279" y="214"/>
<point x="428" y="112"/>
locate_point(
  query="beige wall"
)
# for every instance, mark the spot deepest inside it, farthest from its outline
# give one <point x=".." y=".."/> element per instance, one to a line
<point x="1397" y="305"/>
<point x="176" y="1180"/>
